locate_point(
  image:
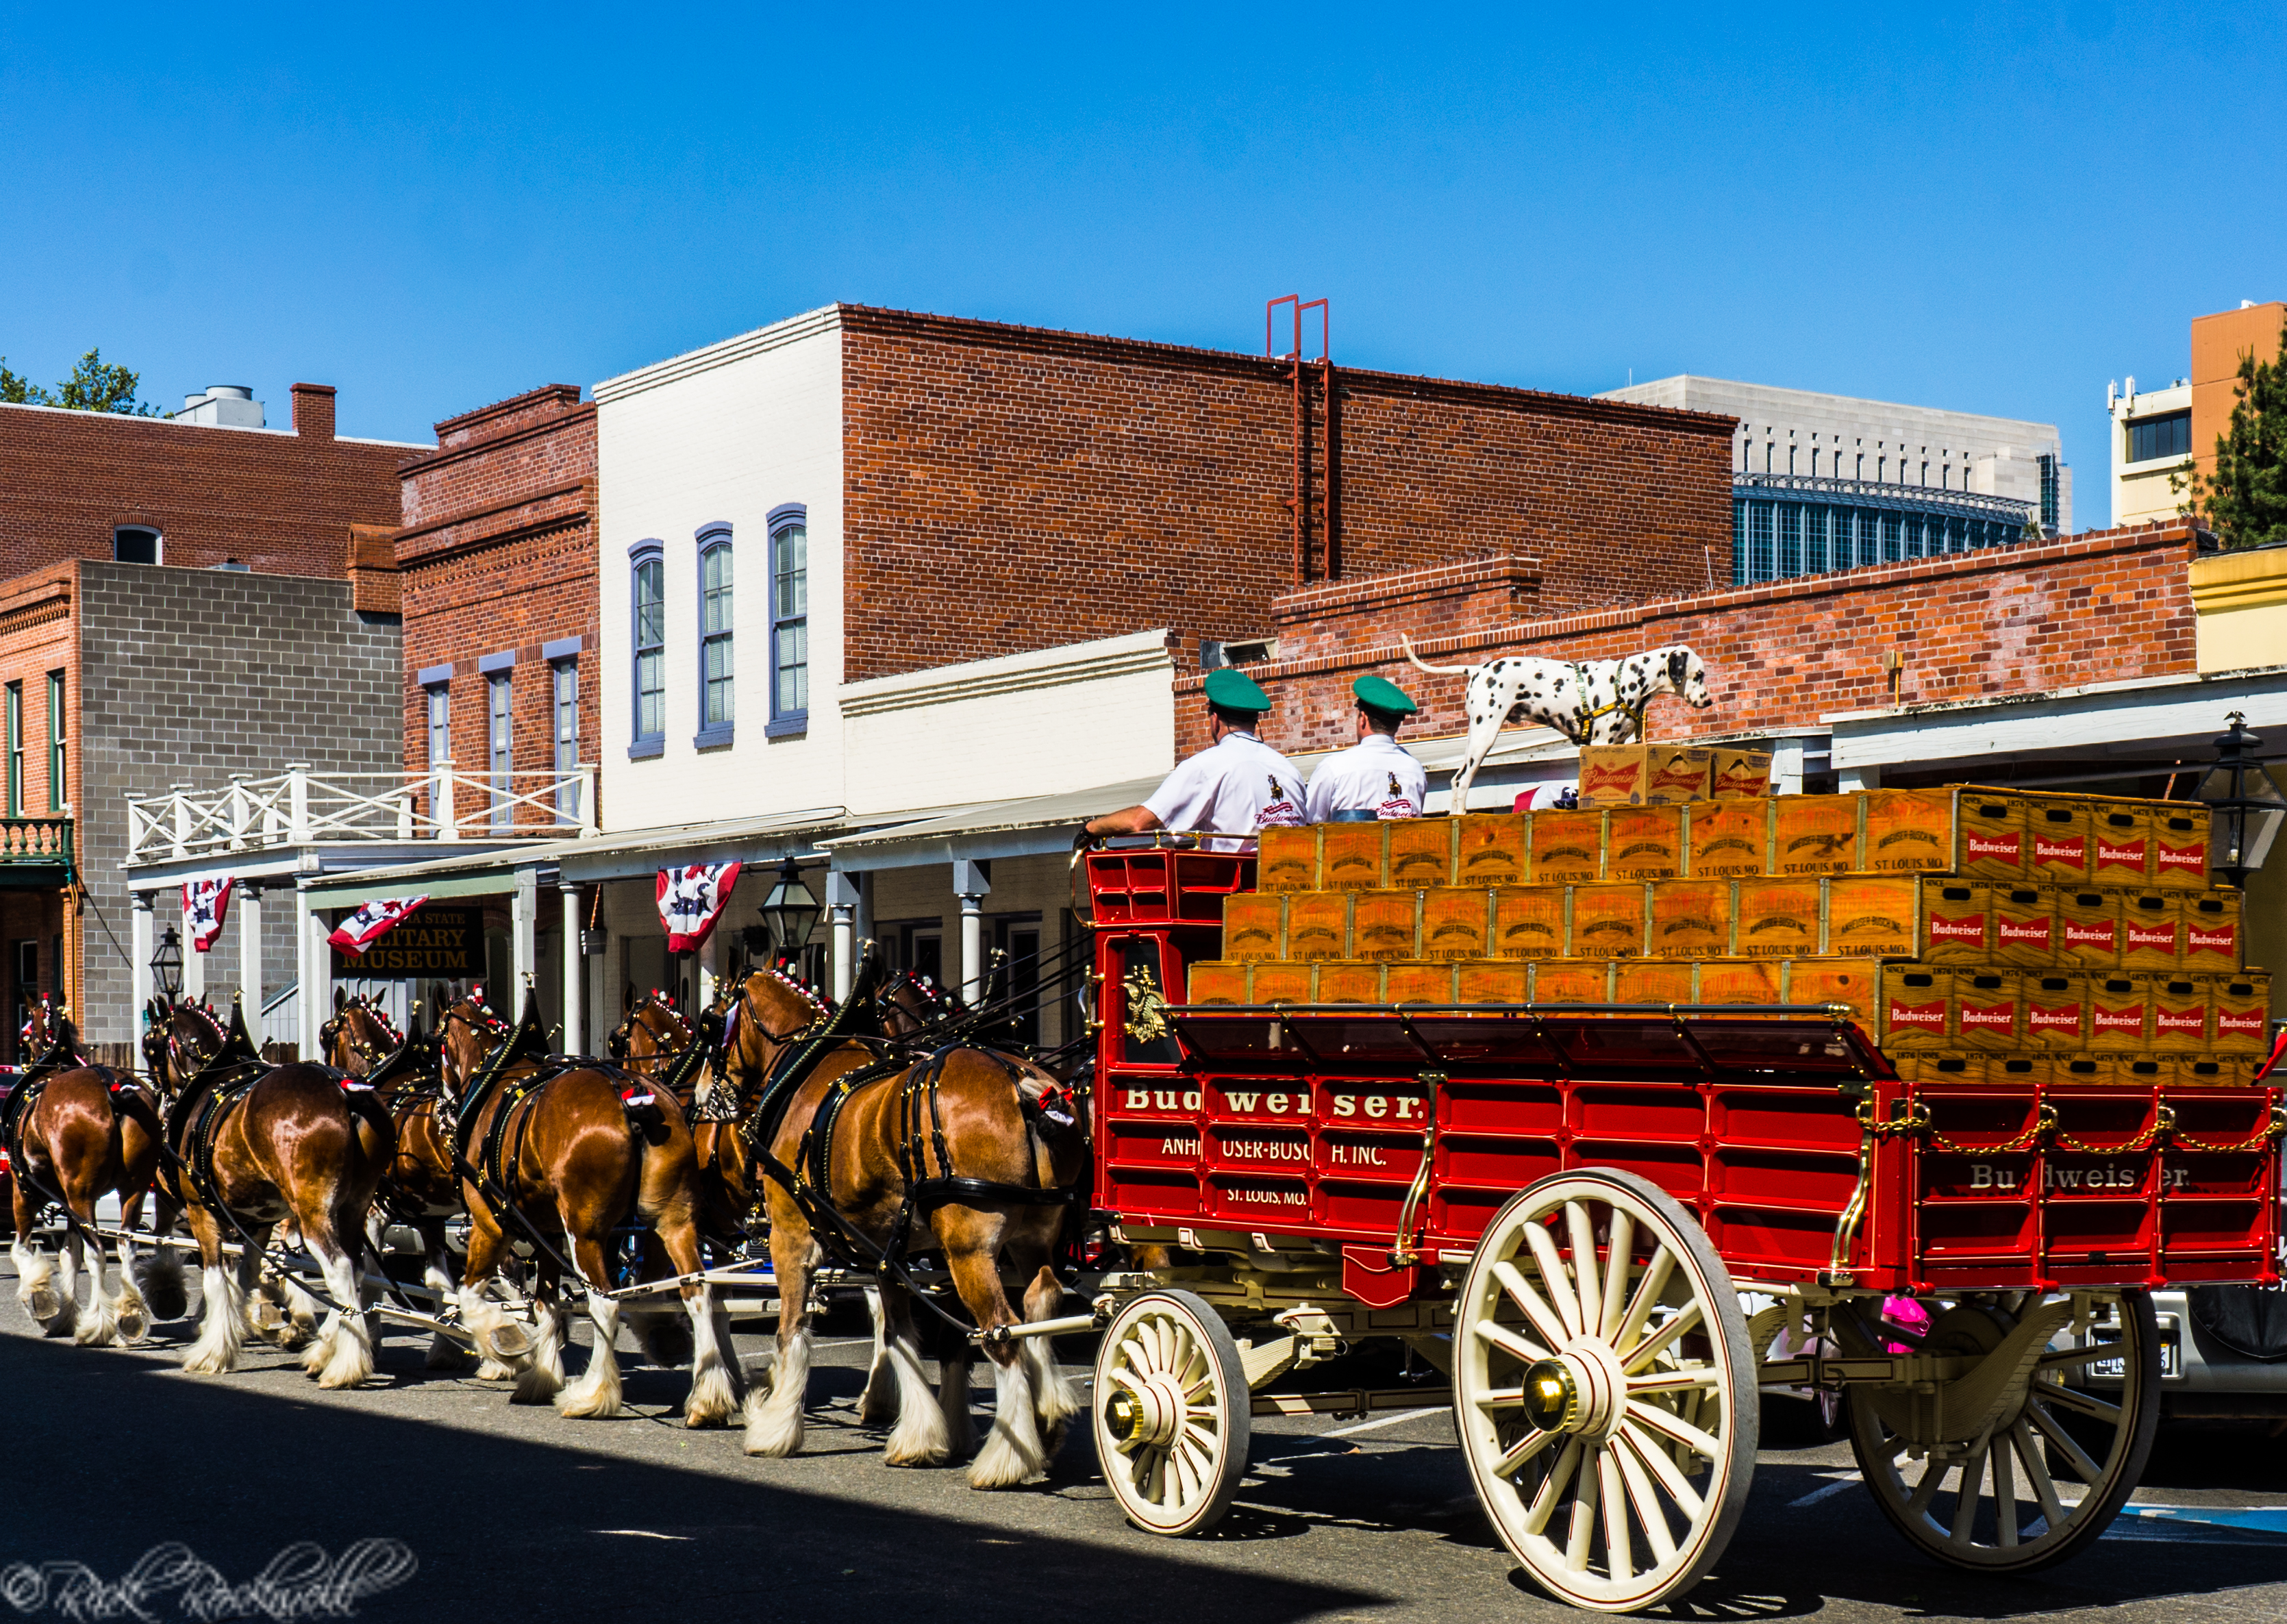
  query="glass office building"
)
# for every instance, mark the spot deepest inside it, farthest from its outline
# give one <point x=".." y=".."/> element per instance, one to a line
<point x="1786" y="525"/>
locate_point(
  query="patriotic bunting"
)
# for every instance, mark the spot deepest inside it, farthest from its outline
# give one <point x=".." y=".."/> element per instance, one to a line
<point x="691" y="899"/>
<point x="205" y="902"/>
<point x="373" y="922"/>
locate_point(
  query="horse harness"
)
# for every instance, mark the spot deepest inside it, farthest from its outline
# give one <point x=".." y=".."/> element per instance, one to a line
<point x="16" y="1114"/>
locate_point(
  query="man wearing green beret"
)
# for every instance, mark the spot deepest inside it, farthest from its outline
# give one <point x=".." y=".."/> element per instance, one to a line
<point x="1376" y="777"/>
<point x="1237" y="785"/>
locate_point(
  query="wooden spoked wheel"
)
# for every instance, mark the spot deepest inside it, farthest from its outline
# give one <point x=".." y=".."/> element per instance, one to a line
<point x="1172" y="1412"/>
<point x="1603" y="1390"/>
<point x="2024" y="1458"/>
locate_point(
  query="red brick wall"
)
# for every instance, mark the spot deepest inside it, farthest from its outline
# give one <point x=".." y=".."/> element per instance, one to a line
<point x="499" y="553"/>
<point x="36" y="639"/>
<point x="2108" y="606"/>
<point x="1008" y="488"/>
<point x="279" y="503"/>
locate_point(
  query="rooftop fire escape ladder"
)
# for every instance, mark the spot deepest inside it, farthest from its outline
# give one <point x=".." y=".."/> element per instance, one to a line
<point x="1318" y="418"/>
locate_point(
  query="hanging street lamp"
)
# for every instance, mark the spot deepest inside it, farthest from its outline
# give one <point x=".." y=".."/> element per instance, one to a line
<point x="2244" y="803"/>
<point x="791" y="911"/>
<point x="167" y="964"/>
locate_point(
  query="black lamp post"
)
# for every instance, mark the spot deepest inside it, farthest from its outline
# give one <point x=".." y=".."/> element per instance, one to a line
<point x="791" y="911"/>
<point x="2245" y="823"/>
<point x="167" y="964"/>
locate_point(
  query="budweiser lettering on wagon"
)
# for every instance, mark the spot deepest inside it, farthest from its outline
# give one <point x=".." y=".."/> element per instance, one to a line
<point x="2071" y="852"/>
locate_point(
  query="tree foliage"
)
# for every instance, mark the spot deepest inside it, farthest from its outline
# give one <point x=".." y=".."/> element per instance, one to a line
<point x="2244" y="501"/>
<point x="94" y="385"/>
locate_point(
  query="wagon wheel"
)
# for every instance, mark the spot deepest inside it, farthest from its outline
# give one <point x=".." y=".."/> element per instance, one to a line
<point x="2033" y="1473"/>
<point x="1172" y="1412"/>
<point x="1611" y="1396"/>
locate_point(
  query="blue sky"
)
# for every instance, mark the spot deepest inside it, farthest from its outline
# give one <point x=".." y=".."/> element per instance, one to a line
<point x="1993" y="210"/>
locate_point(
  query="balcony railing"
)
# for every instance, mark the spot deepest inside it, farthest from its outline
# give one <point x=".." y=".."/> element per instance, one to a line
<point x="300" y="807"/>
<point x="35" y="843"/>
<point x="1878" y="493"/>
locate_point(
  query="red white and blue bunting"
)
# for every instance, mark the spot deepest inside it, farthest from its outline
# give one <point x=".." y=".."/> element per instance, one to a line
<point x="691" y="899"/>
<point x="205" y="903"/>
<point x="372" y="922"/>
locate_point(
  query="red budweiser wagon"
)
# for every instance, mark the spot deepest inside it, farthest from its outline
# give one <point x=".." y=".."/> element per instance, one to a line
<point x="1601" y="1221"/>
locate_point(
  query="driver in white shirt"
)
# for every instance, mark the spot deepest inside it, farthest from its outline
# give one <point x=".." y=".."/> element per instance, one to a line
<point x="1237" y="785"/>
<point x="1377" y="777"/>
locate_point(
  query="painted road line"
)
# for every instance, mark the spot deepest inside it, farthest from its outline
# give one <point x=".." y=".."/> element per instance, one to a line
<point x="2251" y="1519"/>
<point x="1384" y="1420"/>
<point x="1847" y="1481"/>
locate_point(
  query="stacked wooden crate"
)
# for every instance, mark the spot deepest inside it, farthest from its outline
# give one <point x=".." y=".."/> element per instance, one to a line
<point x="1973" y="933"/>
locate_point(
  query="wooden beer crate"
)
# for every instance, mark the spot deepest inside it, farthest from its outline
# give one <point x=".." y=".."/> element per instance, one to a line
<point x="1214" y="982"/>
<point x="2182" y="1011"/>
<point x="2241" y="1002"/>
<point x="1741" y="981"/>
<point x="1254" y="926"/>
<point x="1528" y="921"/>
<point x="1349" y="981"/>
<point x="1350" y="857"/>
<point x="1643" y="843"/>
<point x="1572" y="981"/>
<point x="1279" y="983"/>
<point x="1492" y="981"/>
<point x="1986" y="1012"/>
<point x="2119" y="1013"/>
<point x="1318" y="924"/>
<point x="2180" y="846"/>
<point x="2151" y="930"/>
<point x="1607" y="922"/>
<point x="1417" y="983"/>
<point x="2121" y="852"/>
<point x="1692" y="918"/>
<point x="1915" y="1014"/>
<point x="1456" y="923"/>
<point x="1653" y="981"/>
<point x="2212" y="930"/>
<point x="1419" y="851"/>
<point x="1384" y="925"/>
<point x="2088" y="928"/>
<point x="1287" y="859"/>
<point x="1817" y="834"/>
<point x="2024" y="925"/>
<point x="1568" y="847"/>
<point x="2057" y="838"/>
<point x="1727" y="839"/>
<point x="2056" y="1009"/>
<point x="1779" y="918"/>
<point x="1491" y="848"/>
<point x="1854" y="983"/>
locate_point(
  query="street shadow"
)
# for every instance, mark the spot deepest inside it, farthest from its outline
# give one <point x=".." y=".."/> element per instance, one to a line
<point x="110" y="1455"/>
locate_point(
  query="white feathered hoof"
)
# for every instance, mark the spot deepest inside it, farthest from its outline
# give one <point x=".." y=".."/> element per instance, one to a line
<point x="350" y="1361"/>
<point x="595" y="1395"/>
<point x="773" y="1432"/>
<point x="131" y="1315"/>
<point x="536" y="1383"/>
<point x="714" y="1398"/>
<point x="1012" y="1454"/>
<point x="494" y="1370"/>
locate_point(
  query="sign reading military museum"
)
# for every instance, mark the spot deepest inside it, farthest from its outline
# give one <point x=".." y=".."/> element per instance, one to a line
<point x="437" y="939"/>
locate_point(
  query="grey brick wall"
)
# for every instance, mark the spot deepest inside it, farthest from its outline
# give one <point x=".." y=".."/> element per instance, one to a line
<point x="187" y="675"/>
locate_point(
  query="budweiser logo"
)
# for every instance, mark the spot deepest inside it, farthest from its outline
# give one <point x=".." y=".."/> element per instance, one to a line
<point x="2194" y="858"/>
<point x="1992" y="1018"/>
<point x="2178" y="1020"/>
<point x="2100" y="934"/>
<point x="2074" y="851"/>
<point x="1918" y="1014"/>
<point x="2105" y="1019"/>
<point x="2196" y="941"/>
<point x="2163" y="937"/>
<point x="2009" y="846"/>
<point x="2120" y="857"/>
<point x="1680" y="775"/>
<point x="1970" y="930"/>
<point x="1598" y="781"/>
<point x="2239" y="1021"/>
<point x="2052" y="1018"/>
<point x="2024" y="931"/>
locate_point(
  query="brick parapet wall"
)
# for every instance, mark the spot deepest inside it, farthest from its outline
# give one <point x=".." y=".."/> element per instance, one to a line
<point x="2110" y="606"/>
<point x="499" y="556"/>
<point x="279" y="503"/>
<point x="1007" y="489"/>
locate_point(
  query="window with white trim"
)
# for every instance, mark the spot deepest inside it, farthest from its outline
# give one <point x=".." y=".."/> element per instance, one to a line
<point x="790" y="622"/>
<point x="717" y="700"/>
<point x="563" y="677"/>
<point x="498" y="698"/>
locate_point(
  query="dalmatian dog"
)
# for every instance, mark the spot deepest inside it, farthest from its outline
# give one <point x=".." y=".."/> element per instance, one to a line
<point x="1593" y="702"/>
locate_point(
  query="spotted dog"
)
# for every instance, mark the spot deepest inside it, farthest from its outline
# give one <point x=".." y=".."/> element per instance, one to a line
<point x="1595" y="702"/>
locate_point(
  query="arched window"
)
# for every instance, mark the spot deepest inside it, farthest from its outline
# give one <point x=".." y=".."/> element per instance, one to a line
<point x="717" y="708"/>
<point x="647" y="569"/>
<point x="137" y="545"/>
<point x="789" y="620"/>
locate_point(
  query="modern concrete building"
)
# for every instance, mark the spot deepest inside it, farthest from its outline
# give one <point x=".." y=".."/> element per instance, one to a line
<point x="2158" y="433"/>
<point x="1823" y="482"/>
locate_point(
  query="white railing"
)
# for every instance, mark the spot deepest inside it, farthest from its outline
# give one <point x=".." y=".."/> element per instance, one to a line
<point x="299" y="807"/>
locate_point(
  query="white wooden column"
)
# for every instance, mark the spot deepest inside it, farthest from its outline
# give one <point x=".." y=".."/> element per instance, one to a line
<point x="314" y="998"/>
<point x="842" y="902"/>
<point x="142" y="938"/>
<point x="246" y="901"/>
<point x="1868" y="777"/>
<point x="971" y="885"/>
<point x="575" y="973"/>
<point x="195" y="963"/>
<point x="523" y="942"/>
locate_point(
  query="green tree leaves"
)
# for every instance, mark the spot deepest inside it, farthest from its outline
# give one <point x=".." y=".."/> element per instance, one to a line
<point x="94" y="385"/>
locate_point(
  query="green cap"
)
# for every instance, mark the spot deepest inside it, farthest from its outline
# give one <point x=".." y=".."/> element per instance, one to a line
<point x="1380" y="693"/>
<point x="1236" y="691"/>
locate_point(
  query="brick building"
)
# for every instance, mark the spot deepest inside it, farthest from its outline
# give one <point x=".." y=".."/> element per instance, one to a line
<point x="134" y="679"/>
<point x="192" y="493"/>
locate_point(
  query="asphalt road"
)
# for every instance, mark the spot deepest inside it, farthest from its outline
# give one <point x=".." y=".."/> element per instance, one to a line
<point x="514" y="1513"/>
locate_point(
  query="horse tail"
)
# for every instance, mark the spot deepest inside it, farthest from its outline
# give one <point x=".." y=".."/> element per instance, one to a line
<point x="1435" y="670"/>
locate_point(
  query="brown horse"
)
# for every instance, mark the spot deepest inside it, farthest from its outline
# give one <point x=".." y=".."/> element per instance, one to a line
<point x="419" y="1189"/>
<point x="79" y="1132"/>
<point x="255" y="1145"/>
<point x="883" y="1138"/>
<point x="569" y="1153"/>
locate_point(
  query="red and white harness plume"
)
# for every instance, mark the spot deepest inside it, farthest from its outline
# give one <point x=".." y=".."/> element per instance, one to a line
<point x="372" y="922"/>
<point x="692" y="900"/>
<point x="205" y="903"/>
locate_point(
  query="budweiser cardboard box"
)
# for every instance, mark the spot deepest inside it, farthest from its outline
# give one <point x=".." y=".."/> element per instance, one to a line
<point x="2241" y="1002"/>
<point x="1528" y="921"/>
<point x="1643" y="843"/>
<point x="1985" y="1008"/>
<point x="1491" y="848"/>
<point x="2119" y="1013"/>
<point x="2057" y="838"/>
<point x="1419" y="851"/>
<point x="2179" y="847"/>
<point x="2151" y="930"/>
<point x="1916" y="1011"/>
<point x="1727" y="839"/>
<point x="1740" y="774"/>
<point x="1644" y="774"/>
<point x="1287" y="859"/>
